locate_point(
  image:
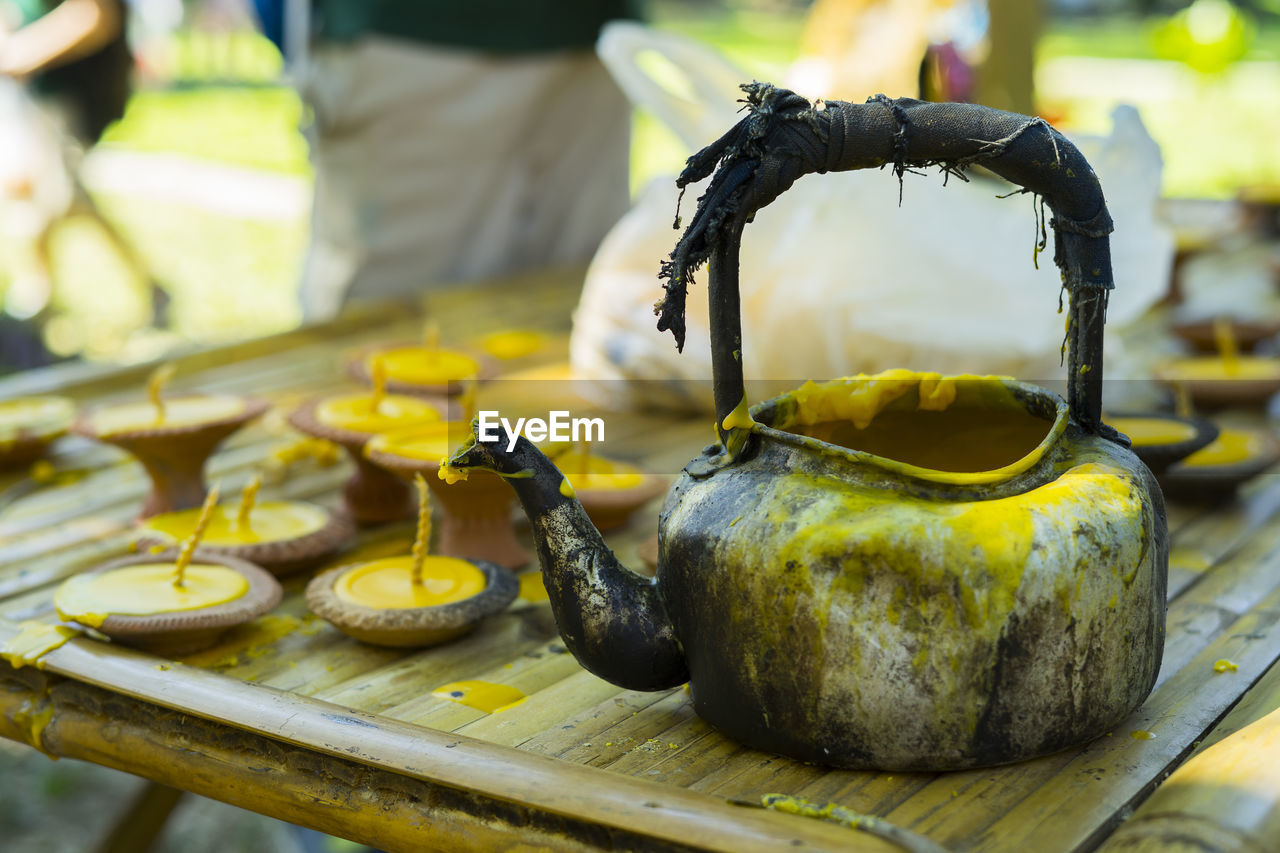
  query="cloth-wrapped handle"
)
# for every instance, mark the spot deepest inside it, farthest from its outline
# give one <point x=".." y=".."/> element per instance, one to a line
<point x="784" y="136"/>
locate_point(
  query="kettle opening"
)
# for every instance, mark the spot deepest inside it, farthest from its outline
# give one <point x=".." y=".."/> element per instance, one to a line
<point x="932" y="426"/>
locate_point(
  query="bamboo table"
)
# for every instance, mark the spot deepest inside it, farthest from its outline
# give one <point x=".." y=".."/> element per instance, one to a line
<point x="290" y="718"/>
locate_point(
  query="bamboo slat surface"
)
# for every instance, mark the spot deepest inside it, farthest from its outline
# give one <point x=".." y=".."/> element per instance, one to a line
<point x="290" y="717"/>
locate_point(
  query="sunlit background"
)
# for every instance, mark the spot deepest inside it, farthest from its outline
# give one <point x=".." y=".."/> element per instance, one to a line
<point x="207" y="174"/>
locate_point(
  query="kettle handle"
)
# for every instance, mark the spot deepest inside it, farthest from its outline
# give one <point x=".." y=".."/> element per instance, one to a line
<point x="784" y="137"/>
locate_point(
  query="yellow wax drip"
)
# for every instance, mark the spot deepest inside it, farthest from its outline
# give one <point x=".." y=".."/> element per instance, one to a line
<point x="1224" y="665"/>
<point x="273" y="521"/>
<point x="34" y="641"/>
<point x="423" y="537"/>
<point x="362" y="413"/>
<point x="247" y="499"/>
<point x="145" y="590"/>
<point x="1224" y="338"/>
<point x="740" y="417"/>
<point x="1142" y="734"/>
<point x="189" y="546"/>
<point x="1144" y="432"/>
<point x="481" y="695"/>
<point x="387" y="584"/>
<point x="1229" y="448"/>
<point x="155" y="384"/>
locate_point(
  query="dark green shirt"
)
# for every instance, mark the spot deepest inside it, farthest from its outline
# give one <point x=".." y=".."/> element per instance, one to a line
<point x="500" y="26"/>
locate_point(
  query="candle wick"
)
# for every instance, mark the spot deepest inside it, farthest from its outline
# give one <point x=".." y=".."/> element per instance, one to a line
<point x="584" y="460"/>
<point x="248" y="499"/>
<point x="1182" y="406"/>
<point x="431" y="338"/>
<point x="423" y="537"/>
<point x="189" y="546"/>
<point x="1228" y="349"/>
<point x="379" y="376"/>
<point x="155" y="384"/>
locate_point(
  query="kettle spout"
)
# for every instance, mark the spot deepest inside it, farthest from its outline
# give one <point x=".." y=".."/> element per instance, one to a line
<point x="612" y="619"/>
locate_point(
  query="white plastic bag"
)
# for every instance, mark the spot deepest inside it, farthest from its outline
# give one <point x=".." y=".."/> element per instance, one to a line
<point x="836" y="277"/>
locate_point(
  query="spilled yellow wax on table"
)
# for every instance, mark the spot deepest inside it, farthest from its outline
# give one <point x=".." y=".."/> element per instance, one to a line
<point x="362" y="413"/>
<point x="178" y="412"/>
<point x="271" y="521"/>
<point x="1153" y="431"/>
<point x="145" y="590"/>
<point x="35" y="640"/>
<point x="1231" y="447"/>
<point x="387" y="584"/>
<point x="1224" y="665"/>
<point x="35" y="416"/>
<point x="481" y="695"/>
<point x="591" y="472"/>
<point x="418" y="365"/>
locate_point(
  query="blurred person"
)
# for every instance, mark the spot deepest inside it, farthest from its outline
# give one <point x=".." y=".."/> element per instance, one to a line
<point x="65" y="68"/>
<point x="457" y="141"/>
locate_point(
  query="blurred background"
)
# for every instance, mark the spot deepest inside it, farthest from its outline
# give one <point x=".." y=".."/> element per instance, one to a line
<point x="190" y="216"/>
<point x="206" y="177"/>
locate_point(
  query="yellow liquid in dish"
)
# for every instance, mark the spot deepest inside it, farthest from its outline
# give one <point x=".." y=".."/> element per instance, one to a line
<point x="1144" y="432"/>
<point x="1231" y="447"/>
<point x="481" y="695"/>
<point x="145" y="590"/>
<point x="271" y="521"/>
<point x="388" y="584"/>
<point x="428" y="442"/>
<point x="1208" y="367"/>
<point x="422" y="366"/>
<point x="599" y="473"/>
<point x="35" y="416"/>
<point x="355" y="412"/>
<point x="178" y="412"/>
<point x="513" y="343"/>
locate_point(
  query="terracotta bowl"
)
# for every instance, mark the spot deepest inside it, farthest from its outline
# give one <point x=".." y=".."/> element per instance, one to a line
<point x="610" y="509"/>
<point x="187" y="631"/>
<point x="372" y="496"/>
<point x="1248" y="333"/>
<point x="1218" y="483"/>
<point x="174" y="457"/>
<point x="412" y="626"/>
<point x="475" y="513"/>
<point x="280" y="557"/>
<point x="29" y="443"/>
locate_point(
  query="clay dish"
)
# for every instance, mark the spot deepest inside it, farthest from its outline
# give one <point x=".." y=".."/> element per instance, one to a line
<point x="174" y="456"/>
<point x="1158" y="457"/>
<point x="29" y="441"/>
<point x="1218" y="483"/>
<point x="359" y="370"/>
<point x="1248" y="333"/>
<point x="412" y="626"/>
<point x="1214" y="393"/>
<point x="610" y="509"/>
<point x="280" y="557"/>
<point x="372" y="495"/>
<point x="182" y="632"/>
<point x="475" y="521"/>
